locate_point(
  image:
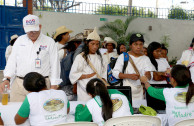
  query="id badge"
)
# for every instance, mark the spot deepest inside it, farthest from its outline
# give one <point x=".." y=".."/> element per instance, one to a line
<point x="37" y="63"/>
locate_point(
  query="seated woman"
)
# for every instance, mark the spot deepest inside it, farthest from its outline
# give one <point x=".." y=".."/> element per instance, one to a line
<point x="105" y="104"/>
<point x="43" y="107"/>
<point x="179" y="100"/>
<point x="121" y="48"/>
<point x="161" y="64"/>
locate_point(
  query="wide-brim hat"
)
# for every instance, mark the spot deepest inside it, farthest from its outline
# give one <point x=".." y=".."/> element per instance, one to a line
<point x="110" y="40"/>
<point x="60" y="30"/>
<point x="94" y="35"/>
<point x="13" y="37"/>
<point x="78" y="37"/>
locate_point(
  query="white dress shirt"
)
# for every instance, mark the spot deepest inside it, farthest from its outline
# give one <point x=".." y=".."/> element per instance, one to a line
<point x="24" y="54"/>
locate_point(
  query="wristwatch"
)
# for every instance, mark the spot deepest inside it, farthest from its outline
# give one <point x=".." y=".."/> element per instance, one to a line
<point x="5" y="78"/>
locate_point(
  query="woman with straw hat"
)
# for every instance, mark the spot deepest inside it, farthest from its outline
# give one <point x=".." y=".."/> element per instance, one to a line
<point x="9" y="48"/>
<point x="81" y="70"/>
<point x="62" y="37"/>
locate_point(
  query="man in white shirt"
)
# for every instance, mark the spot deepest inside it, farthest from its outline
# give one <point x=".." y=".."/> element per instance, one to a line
<point x="32" y="52"/>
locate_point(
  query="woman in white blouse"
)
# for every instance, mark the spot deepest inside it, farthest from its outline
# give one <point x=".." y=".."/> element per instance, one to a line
<point x="81" y="72"/>
<point x="162" y="68"/>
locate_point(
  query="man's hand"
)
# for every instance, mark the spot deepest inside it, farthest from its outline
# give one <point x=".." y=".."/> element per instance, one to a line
<point x="2" y="85"/>
<point x="144" y="79"/>
<point x="134" y="76"/>
<point x="54" y="87"/>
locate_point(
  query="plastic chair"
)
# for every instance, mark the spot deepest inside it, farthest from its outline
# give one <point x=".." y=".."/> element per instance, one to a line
<point x="134" y="121"/>
<point x="188" y="122"/>
<point x="78" y="124"/>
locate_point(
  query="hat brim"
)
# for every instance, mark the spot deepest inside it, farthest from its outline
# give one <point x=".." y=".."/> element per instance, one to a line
<point x="138" y="39"/>
<point x="112" y="43"/>
<point x="62" y="31"/>
<point x="31" y="28"/>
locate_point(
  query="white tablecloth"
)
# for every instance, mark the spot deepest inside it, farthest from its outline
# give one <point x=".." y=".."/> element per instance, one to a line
<point x="9" y="111"/>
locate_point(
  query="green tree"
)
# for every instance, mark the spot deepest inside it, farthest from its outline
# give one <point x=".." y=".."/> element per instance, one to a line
<point x="117" y="30"/>
<point x="178" y="13"/>
<point x="122" y="11"/>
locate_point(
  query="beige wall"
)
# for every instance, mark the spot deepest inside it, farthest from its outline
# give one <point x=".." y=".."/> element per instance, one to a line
<point x="180" y="32"/>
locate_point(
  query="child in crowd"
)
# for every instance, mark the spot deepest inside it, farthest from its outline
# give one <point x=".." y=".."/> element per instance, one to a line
<point x="179" y="100"/>
<point x="131" y="76"/>
<point x="121" y="48"/>
<point x="110" y="45"/>
<point x="164" y="52"/>
<point x="161" y="64"/>
<point x="81" y="70"/>
<point x="105" y="104"/>
<point x="43" y="107"/>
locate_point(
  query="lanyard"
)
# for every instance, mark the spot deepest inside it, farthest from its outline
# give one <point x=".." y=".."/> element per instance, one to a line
<point x="38" y="52"/>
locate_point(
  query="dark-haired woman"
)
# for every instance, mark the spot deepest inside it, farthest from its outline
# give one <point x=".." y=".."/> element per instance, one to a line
<point x="41" y="106"/>
<point x="105" y="104"/>
<point x="61" y="37"/>
<point x="161" y="64"/>
<point x="81" y="72"/>
<point x="121" y="48"/>
<point x="179" y="100"/>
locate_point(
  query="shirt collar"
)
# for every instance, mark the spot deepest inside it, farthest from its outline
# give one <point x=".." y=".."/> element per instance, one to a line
<point x="182" y="86"/>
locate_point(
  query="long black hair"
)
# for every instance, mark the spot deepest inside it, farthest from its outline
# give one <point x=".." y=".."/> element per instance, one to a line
<point x="97" y="87"/>
<point x="34" y="82"/>
<point x="153" y="46"/>
<point x="86" y="51"/>
<point x="182" y="76"/>
<point x="118" y="48"/>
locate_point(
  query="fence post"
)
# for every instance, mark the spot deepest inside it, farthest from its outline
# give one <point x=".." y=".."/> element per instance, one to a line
<point x="28" y="4"/>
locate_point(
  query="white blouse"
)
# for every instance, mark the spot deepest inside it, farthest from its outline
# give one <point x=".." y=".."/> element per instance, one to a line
<point x="79" y="68"/>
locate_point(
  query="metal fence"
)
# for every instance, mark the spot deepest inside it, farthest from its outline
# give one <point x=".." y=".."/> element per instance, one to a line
<point x="16" y="3"/>
<point x="109" y="9"/>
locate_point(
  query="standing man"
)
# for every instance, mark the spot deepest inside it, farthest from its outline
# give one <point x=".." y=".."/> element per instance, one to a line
<point x="32" y="52"/>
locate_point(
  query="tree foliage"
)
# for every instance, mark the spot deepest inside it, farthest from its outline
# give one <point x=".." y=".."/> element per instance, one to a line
<point x="178" y="13"/>
<point x="123" y="11"/>
<point x="117" y="30"/>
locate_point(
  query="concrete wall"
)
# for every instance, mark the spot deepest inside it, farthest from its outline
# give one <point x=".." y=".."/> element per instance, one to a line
<point x="180" y="32"/>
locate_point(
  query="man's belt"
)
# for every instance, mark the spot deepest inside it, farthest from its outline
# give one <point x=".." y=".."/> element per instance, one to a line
<point x="23" y="77"/>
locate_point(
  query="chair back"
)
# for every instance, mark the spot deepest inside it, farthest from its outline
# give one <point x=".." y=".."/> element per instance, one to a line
<point x="188" y="122"/>
<point x="78" y="124"/>
<point x="134" y="121"/>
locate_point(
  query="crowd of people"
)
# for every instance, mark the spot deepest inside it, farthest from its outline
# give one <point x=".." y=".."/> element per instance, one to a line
<point x="46" y="73"/>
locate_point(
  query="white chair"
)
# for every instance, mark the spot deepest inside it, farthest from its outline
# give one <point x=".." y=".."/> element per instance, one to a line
<point x="140" y="120"/>
<point x="79" y="124"/>
<point x="188" y="122"/>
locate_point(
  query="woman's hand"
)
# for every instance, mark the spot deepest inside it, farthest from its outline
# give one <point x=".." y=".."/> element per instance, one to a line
<point x="143" y="79"/>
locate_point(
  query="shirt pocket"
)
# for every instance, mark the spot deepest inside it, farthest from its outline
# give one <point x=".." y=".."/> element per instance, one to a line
<point x="44" y="54"/>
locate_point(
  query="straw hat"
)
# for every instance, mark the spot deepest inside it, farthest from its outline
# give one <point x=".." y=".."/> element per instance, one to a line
<point x="77" y="37"/>
<point x="110" y="40"/>
<point x="93" y="35"/>
<point x="13" y="37"/>
<point x="60" y="30"/>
